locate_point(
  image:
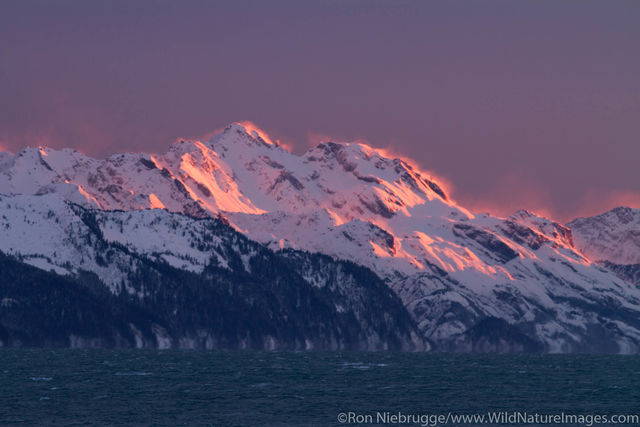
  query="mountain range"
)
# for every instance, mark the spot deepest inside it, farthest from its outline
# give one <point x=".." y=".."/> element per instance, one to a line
<point x="235" y="242"/>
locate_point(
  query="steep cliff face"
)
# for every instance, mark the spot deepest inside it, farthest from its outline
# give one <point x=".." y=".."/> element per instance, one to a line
<point x="463" y="278"/>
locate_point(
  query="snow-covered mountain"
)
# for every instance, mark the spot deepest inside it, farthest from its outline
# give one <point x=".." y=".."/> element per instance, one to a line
<point x="613" y="239"/>
<point x="175" y="281"/>
<point x="471" y="282"/>
<point x="613" y="236"/>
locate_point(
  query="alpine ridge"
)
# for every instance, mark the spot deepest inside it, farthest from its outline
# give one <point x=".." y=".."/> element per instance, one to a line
<point x="470" y="282"/>
<point x="613" y="240"/>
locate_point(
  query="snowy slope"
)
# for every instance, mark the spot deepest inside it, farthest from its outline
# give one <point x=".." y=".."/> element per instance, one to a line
<point x="235" y="171"/>
<point x="47" y="232"/>
<point x="451" y="268"/>
<point x="269" y="300"/>
<point x="613" y="236"/>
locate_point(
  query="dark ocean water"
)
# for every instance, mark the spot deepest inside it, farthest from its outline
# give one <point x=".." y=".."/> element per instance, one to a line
<point x="140" y="387"/>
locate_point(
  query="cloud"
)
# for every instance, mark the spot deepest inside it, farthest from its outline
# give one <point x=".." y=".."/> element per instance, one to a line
<point x="597" y="201"/>
<point x="512" y="192"/>
<point x="82" y="136"/>
<point x="515" y="191"/>
<point x="314" y="139"/>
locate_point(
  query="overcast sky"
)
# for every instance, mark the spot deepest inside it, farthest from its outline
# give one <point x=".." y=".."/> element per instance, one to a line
<point x="517" y="104"/>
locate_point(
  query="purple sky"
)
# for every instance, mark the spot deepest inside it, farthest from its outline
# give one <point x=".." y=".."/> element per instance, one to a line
<point x="518" y="104"/>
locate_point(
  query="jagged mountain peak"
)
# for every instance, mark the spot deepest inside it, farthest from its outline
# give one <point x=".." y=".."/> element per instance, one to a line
<point x="612" y="236"/>
<point x="619" y="214"/>
<point x="239" y="169"/>
<point x="348" y="179"/>
<point x="550" y="229"/>
<point x="244" y="132"/>
<point x="355" y="202"/>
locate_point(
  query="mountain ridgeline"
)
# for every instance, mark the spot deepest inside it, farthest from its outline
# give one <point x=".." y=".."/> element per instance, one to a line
<point x="235" y="242"/>
<point x="246" y="297"/>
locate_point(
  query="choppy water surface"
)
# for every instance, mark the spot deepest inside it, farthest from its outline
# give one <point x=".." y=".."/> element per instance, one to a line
<point x="135" y="387"/>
